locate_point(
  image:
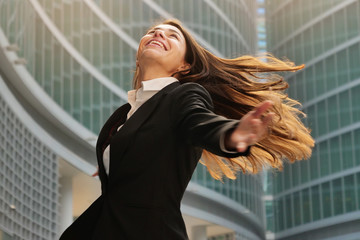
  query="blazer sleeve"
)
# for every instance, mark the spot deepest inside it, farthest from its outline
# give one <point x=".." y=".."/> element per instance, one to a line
<point x="195" y="122"/>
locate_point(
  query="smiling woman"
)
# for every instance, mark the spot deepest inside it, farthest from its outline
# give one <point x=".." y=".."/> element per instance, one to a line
<point x="161" y="53"/>
<point x="186" y="103"/>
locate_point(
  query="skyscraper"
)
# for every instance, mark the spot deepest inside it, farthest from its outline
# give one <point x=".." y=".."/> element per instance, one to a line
<point x="320" y="198"/>
<point x="65" y="67"/>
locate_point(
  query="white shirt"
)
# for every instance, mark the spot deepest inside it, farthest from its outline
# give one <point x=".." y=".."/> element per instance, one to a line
<point x="136" y="98"/>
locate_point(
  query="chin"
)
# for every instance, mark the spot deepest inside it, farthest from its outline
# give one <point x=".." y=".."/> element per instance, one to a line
<point x="153" y="52"/>
<point x="153" y="55"/>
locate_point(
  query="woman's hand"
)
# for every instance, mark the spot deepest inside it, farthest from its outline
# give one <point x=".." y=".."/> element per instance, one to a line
<point x="252" y="128"/>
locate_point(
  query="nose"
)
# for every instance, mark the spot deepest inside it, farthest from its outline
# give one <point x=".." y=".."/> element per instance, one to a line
<point x="159" y="33"/>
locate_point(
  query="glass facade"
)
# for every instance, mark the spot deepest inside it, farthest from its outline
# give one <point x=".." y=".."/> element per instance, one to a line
<point x="29" y="187"/>
<point x="82" y="55"/>
<point x="246" y="190"/>
<point x="63" y="78"/>
<point x="325" y="36"/>
<point x="5" y="236"/>
<point x="228" y="26"/>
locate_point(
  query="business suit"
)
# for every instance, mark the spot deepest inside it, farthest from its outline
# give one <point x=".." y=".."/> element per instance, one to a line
<point x="152" y="158"/>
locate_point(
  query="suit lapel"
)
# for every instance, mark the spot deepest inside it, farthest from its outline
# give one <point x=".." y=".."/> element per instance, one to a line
<point x="109" y="128"/>
<point x="121" y="140"/>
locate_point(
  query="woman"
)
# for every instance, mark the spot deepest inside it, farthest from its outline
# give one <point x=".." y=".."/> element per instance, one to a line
<point x="186" y="105"/>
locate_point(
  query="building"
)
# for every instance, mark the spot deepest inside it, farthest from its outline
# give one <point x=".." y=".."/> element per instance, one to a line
<point x="261" y="27"/>
<point x="320" y="198"/>
<point x="65" y="66"/>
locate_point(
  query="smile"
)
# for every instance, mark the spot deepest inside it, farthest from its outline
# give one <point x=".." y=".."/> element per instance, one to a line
<point x="157" y="43"/>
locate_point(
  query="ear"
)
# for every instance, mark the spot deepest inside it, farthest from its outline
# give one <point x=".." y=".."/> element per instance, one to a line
<point x="185" y="66"/>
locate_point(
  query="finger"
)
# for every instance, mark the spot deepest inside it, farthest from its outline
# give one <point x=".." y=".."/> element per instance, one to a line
<point x="262" y="108"/>
<point x="263" y="128"/>
<point x="256" y="122"/>
<point x="256" y="125"/>
<point x="267" y="124"/>
<point x="241" y="147"/>
<point x="268" y="119"/>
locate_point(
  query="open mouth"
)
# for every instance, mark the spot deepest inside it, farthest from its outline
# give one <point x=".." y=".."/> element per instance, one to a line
<point x="157" y="43"/>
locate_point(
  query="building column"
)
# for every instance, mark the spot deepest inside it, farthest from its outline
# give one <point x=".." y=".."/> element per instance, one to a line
<point x="66" y="203"/>
<point x="199" y="232"/>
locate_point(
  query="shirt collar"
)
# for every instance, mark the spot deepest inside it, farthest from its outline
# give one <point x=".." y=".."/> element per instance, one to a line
<point x="157" y="84"/>
<point x="153" y="85"/>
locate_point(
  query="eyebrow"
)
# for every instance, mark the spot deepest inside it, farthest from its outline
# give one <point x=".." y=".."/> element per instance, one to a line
<point x="172" y="30"/>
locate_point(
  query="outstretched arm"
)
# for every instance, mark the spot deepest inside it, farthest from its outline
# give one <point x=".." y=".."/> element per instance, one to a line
<point x="252" y="128"/>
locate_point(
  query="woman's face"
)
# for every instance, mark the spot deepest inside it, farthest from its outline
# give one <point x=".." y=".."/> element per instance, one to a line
<point x="165" y="45"/>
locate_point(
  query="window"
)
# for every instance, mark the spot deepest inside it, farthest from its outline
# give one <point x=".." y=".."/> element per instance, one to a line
<point x="86" y="82"/>
<point x="328" y="33"/>
<point x="331" y="73"/>
<point x="324" y="159"/>
<point x="96" y="50"/>
<point x="304" y="171"/>
<point x="357" y="146"/>
<point x="316" y="7"/>
<point x="279" y="180"/>
<point x="347" y="150"/>
<point x="297" y="209"/>
<point x="354" y="59"/>
<point x="322" y="119"/>
<point x="269" y="215"/>
<point x="300" y="82"/>
<point x="76" y="84"/>
<point x="289" y="209"/>
<point x="5" y="236"/>
<point x="295" y="173"/>
<point x="308" y="45"/>
<point x="280" y="219"/>
<point x="315" y="201"/>
<point x="337" y="196"/>
<point x="314" y="163"/>
<point x="317" y="38"/>
<point x="355" y="108"/>
<point x="310" y="83"/>
<point x="350" y="198"/>
<point x="342" y="67"/>
<point x="298" y="49"/>
<point x="107" y="48"/>
<point x="326" y="200"/>
<point x="340" y="26"/>
<point x="311" y="119"/>
<point x="345" y="108"/>
<point x="319" y="78"/>
<point x="333" y="112"/>
<point x="287" y="176"/>
<point x="298" y="5"/>
<point x="306" y="205"/>
<point x="358" y="189"/>
<point x="335" y="155"/>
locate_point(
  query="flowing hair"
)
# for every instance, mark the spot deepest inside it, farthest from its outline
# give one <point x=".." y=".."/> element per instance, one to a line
<point x="236" y="87"/>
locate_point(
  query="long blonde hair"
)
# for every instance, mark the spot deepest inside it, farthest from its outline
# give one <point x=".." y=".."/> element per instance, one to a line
<point x="237" y="86"/>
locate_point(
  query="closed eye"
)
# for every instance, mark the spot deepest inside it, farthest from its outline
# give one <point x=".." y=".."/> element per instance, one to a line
<point x="174" y="35"/>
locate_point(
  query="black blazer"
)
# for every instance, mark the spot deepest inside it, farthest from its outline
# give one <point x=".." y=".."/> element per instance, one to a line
<point x="152" y="158"/>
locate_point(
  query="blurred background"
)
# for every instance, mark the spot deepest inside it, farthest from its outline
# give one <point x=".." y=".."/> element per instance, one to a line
<point x="66" y="65"/>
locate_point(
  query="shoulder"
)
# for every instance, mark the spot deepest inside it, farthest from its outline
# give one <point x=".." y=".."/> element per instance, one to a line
<point x="189" y="86"/>
<point x="190" y="94"/>
<point x="191" y="90"/>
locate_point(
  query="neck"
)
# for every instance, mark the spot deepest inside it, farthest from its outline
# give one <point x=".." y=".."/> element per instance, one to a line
<point x="152" y="72"/>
